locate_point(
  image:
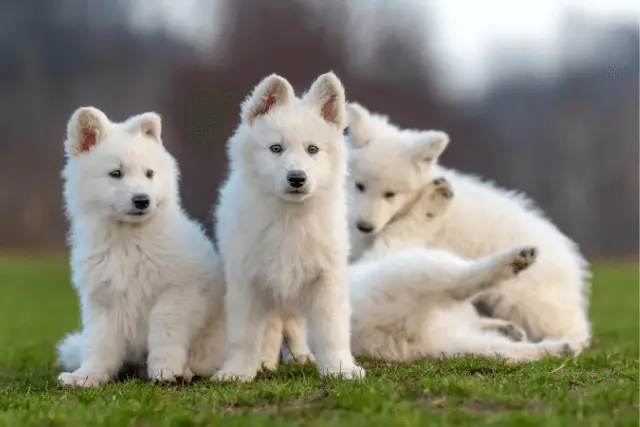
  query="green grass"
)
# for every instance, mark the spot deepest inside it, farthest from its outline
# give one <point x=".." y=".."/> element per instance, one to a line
<point x="600" y="388"/>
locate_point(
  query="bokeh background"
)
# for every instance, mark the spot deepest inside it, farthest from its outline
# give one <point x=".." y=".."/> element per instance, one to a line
<point x="540" y="95"/>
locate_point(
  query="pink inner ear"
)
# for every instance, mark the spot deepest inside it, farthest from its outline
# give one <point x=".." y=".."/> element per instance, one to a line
<point x="271" y="99"/>
<point x="328" y="110"/>
<point x="88" y="139"/>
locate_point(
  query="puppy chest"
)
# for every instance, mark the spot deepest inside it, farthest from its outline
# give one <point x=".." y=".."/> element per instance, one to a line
<point x="126" y="301"/>
<point x="127" y="308"/>
<point x="285" y="272"/>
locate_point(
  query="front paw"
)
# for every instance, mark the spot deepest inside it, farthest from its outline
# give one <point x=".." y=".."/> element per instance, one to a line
<point x="269" y="365"/>
<point x="81" y="379"/>
<point x="187" y="375"/>
<point x="165" y="370"/>
<point x="298" y="359"/>
<point x="226" y="376"/>
<point x="353" y="372"/>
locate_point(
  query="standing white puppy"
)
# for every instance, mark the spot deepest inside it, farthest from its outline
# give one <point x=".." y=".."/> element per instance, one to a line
<point x="282" y="227"/>
<point x="145" y="272"/>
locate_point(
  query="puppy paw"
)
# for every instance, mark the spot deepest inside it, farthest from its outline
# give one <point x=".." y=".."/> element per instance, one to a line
<point x="298" y="359"/>
<point x="226" y="376"/>
<point x="269" y="365"/>
<point x="166" y="369"/>
<point x="187" y="375"/>
<point x="513" y="332"/>
<point x="436" y="197"/>
<point x="514" y="261"/>
<point x="353" y="372"/>
<point x="81" y="379"/>
<point x="524" y="258"/>
<point x="552" y="348"/>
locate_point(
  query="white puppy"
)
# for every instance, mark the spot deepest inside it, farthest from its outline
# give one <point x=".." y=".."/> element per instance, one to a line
<point x="389" y="167"/>
<point x="282" y="227"/>
<point x="145" y="272"/>
<point x="414" y="304"/>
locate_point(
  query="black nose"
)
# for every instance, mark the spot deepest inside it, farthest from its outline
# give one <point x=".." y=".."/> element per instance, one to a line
<point x="140" y="201"/>
<point x="365" y="227"/>
<point x="296" y="178"/>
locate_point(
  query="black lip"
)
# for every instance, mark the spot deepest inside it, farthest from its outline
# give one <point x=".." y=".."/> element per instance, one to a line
<point x="136" y="213"/>
<point x="296" y="191"/>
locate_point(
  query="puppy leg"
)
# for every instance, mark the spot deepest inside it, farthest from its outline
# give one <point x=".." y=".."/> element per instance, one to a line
<point x="270" y="355"/>
<point x="103" y="354"/>
<point x="488" y="272"/>
<point x="173" y="322"/>
<point x="504" y="327"/>
<point x="436" y="198"/>
<point x="246" y="322"/>
<point x="492" y="346"/>
<point x="329" y="323"/>
<point x="295" y="349"/>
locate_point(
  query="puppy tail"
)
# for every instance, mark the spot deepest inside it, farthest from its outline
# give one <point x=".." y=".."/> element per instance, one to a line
<point x="70" y="351"/>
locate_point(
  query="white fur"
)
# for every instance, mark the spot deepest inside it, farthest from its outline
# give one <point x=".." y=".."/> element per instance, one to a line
<point x="147" y="279"/>
<point x="414" y="304"/>
<point x="550" y="300"/>
<point x="285" y="254"/>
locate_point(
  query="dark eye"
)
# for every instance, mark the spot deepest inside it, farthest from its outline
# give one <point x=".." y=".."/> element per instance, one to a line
<point x="149" y="173"/>
<point x="116" y="173"/>
<point x="312" y="149"/>
<point x="276" y="148"/>
<point x="360" y="186"/>
<point x="389" y="194"/>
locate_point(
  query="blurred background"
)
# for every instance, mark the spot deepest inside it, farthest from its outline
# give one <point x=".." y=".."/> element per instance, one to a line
<point x="540" y="95"/>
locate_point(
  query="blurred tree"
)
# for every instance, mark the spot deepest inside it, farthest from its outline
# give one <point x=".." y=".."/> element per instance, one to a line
<point x="58" y="55"/>
<point x="570" y="140"/>
<point x="299" y="40"/>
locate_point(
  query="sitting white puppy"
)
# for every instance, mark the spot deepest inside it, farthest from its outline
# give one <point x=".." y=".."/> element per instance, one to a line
<point x="145" y="272"/>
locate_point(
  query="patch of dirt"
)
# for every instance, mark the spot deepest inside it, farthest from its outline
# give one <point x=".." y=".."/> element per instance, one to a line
<point x="303" y="402"/>
<point x="440" y="404"/>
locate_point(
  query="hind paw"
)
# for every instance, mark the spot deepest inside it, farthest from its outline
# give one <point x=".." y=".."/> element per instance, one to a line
<point x="513" y="332"/>
<point x="524" y="258"/>
<point x="556" y="348"/>
<point x="514" y="261"/>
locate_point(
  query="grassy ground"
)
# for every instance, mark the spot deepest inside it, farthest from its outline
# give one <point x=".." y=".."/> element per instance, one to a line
<point x="600" y="388"/>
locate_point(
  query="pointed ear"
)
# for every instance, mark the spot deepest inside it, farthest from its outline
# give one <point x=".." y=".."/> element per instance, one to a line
<point x="429" y="145"/>
<point x="87" y="127"/>
<point x="326" y="96"/>
<point x="358" y="119"/>
<point x="273" y="91"/>
<point x="148" y="124"/>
